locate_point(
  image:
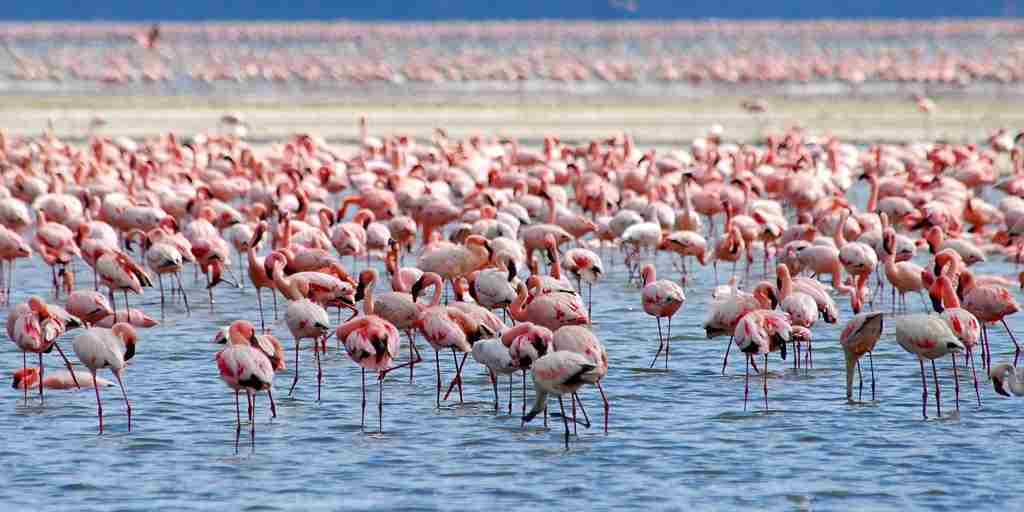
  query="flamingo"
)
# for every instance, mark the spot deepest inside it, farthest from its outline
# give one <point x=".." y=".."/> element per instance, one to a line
<point x="558" y="373"/>
<point x="119" y="273"/>
<point x="551" y="310"/>
<point x="28" y="378"/>
<point x="371" y="342"/>
<point x="963" y="324"/>
<point x="661" y="299"/>
<point x="858" y="338"/>
<point x="989" y="303"/>
<point x="244" y="367"/>
<point x="1007" y="379"/>
<point x="33" y="328"/>
<point x="306" y="319"/>
<point x="447" y="327"/>
<point x="584" y="265"/>
<point x="927" y="337"/>
<point x="112" y="348"/>
<point x="727" y="310"/>
<point x="493" y="354"/>
<point x="574" y="338"/>
<point x="400" y="309"/>
<point x="758" y="333"/>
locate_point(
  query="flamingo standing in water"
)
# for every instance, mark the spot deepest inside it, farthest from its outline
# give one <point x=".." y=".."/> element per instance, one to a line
<point x="759" y="333"/>
<point x="372" y="342"/>
<point x="963" y="324"/>
<point x="558" y="373"/>
<point x="306" y="319"/>
<point x="584" y="265"/>
<point x="927" y="337"/>
<point x="119" y="273"/>
<point x="244" y="367"/>
<point x="989" y="303"/>
<point x="574" y="338"/>
<point x="661" y="299"/>
<point x="112" y="348"/>
<point x="858" y="338"/>
<point x="35" y="327"/>
<point x="493" y="354"/>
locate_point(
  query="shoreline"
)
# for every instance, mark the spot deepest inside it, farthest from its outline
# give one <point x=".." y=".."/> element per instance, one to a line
<point x="667" y="123"/>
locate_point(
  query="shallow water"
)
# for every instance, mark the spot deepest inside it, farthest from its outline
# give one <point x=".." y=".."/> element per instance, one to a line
<point x="677" y="438"/>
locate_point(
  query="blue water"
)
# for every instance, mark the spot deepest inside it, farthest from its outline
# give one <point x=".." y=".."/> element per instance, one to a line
<point x="677" y="439"/>
<point x="432" y="10"/>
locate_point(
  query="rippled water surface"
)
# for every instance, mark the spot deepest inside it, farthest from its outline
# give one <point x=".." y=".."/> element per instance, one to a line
<point x="677" y="438"/>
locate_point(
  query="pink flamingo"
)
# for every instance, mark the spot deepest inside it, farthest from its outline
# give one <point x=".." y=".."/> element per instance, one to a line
<point x="89" y="306"/>
<point x="306" y="319"/>
<point x="400" y="309"/>
<point x="858" y="338"/>
<point x="727" y="310"/>
<point x="758" y="333"/>
<point x="559" y="373"/>
<point x="447" y="327"/>
<point x="12" y="248"/>
<point x="28" y="378"/>
<point x="584" y="265"/>
<point x="904" y="275"/>
<point x="661" y="299"/>
<point x="119" y="273"/>
<point x="989" y="303"/>
<point x="111" y="348"/>
<point x="927" y="337"/>
<point x="372" y="342"/>
<point x="963" y="324"/>
<point x="550" y="310"/>
<point x="33" y="328"/>
<point x="574" y="338"/>
<point x="244" y="367"/>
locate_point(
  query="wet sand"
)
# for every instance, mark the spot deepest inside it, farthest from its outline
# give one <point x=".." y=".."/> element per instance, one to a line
<point x="960" y="119"/>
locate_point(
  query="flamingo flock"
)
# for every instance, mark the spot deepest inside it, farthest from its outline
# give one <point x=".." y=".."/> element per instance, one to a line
<point x="949" y="53"/>
<point x="486" y="244"/>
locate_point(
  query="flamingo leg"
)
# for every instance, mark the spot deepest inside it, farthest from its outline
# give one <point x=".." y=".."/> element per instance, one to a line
<point x="437" y="364"/>
<point x="524" y="393"/>
<point x="938" y="391"/>
<point x="606" y="405"/>
<point x="860" y="379"/>
<point x="974" y="373"/>
<point x="319" y="370"/>
<point x="1016" y="354"/>
<point x="661" y="342"/>
<point x="160" y="278"/>
<point x="238" y="413"/>
<point x="956" y="382"/>
<point x="259" y="306"/>
<point x="362" y="421"/>
<point x="99" y="403"/>
<point x="458" y="371"/>
<point x="572" y="403"/>
<point x="124" y="393"/>
<point x="184" y="296"/>
<point x="274" y="295"/>
<point x="586" y="417"/>
<point x="668" y="341"/>
<point x="494" y="384"/>
<point x="252" y="421"/>
<point x="66" y="363"/>
<point x="766" y="382"/>
<point x="414" y="354"/>
<point x="380" y="392"/>
<point x="41" y="386"/>
<point x="924" y="391"/>
<point x="24" y="365"/>
<point x="295" y="379"/>
<point x="871" y="362"/>
<point x="746" y="385"/>
<point x="565" y="421"/>
<point x="510" y="394"/>
<point x="725" y="359"/>
<point x="273" y="406"/>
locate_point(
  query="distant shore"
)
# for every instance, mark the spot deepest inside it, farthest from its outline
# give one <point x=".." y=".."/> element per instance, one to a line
<point x="652" y="122"/>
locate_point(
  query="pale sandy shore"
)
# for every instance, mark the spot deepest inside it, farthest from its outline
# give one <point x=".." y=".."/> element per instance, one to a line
<point x="669" y="123"/>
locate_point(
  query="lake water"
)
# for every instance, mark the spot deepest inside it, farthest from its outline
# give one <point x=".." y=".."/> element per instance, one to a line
<point x="677" y="439"/>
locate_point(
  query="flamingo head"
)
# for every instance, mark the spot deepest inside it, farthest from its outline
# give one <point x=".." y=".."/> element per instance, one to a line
<point x="127" y="333"/>
<point x="366" y="280"/>
<point x="38" y="306"/>
<point x="26" y="378"/>
<point x="242" y="332"/>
